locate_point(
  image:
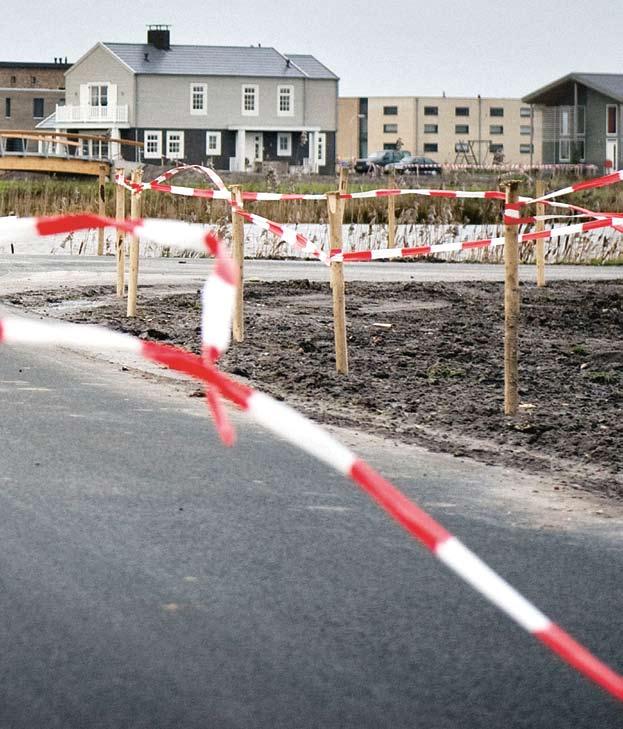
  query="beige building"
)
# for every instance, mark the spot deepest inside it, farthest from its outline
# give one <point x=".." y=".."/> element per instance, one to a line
<point x="448" y="130"/>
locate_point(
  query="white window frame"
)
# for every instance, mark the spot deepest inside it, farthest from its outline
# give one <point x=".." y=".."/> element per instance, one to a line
<point x="526" y="148"/>
<point x="175" y="155"/>
<point x="290" y="95"/>
<point x="204" y="93"/>
<point x="99" y="85"/>
<point x="525" y="112"/>
<point x="256" y="91"/>
<point x="216" y="151"/>
<point x="321" y="149"/>
<point x="615" y="133"/>
<point x="284" y="152"/>
<point x="157" y="137"/>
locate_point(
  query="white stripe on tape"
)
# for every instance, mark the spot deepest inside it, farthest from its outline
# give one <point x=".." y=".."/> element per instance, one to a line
<point x="295" y="428"/>
<point x="27" y="331"/>
<point x="474" y="571"/>
<point x="14" y="229"/>
<point x="173" y="233"/>
<point x="217" y="306"/>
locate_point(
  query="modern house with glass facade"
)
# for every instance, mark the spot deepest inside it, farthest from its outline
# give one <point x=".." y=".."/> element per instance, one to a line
<point x="581" y="117"/>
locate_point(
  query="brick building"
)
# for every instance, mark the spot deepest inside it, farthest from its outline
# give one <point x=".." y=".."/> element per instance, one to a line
<point x="29" y="92"/>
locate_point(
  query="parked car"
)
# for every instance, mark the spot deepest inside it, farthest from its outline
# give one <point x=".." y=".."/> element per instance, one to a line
<point x="380" y="160"/>
<point x="417" y="166"/>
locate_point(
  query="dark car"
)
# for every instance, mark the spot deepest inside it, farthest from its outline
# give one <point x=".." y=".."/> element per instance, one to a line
<point x="417" y="166"/>
<point x="380" y="160"/>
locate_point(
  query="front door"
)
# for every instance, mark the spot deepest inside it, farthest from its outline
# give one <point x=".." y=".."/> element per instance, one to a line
<point x="254" y="147"/>
<point x="612" y="153"/>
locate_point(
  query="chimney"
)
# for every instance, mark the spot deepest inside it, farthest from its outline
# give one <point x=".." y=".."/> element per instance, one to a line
<point x="158" y="36"/>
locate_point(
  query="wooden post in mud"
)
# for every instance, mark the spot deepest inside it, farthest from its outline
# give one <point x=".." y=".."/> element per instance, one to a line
<point x="336" y="215"/>
<point x="511" y="306"/>
<point x="101" y="206"/>
<point x="135" y="212"/>
<point x="391" y="213"/>
<point x="120" y="241"/>
<point x="540" y="243"/>
<point x="237" y="234"/>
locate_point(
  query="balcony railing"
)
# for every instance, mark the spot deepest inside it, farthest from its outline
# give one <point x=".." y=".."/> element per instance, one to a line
<point x="98" y="114"/>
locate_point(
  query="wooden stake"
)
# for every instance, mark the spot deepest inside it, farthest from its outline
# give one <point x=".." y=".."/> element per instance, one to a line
<point x="135" y="212"/>
<point x="540" y="243"/>
<point x="237" y="226"/>
<point x="120" y="247"/>
<point x="391" y="214"/>
<point x="336" y="214"/>
<point x="101" y="208"/>
<point x="511" y="307"/>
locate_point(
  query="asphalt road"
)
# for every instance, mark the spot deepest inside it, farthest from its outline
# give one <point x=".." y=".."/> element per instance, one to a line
<point x="150" y="578"/>
<point x="33" y="272"/>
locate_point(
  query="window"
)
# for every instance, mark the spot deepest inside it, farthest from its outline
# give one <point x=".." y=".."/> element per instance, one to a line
<point x="525" y="129"/>
<point x="580" y="119"/>
<point x="199" y="99"/>
<point x="285" y="101"/>
<point x="526" y="148"/>
<point x="431" y="128"/>
<point x="37" y="108"/>
<point x="564" y="151"/>
<point x="431" y="111"/>
<point x="390" y="128"/>
<point x="98" y="95"/>
<point x="496" y="129"/>
<point x="7" y="107"/>
<point x="431" y="147"/>
<point x="461" y="111"/>
<point x="13" y="80"/>
<point x="322" y="149"/>
<point x="564" y="122"/>
<point x="175" y="145"/>
<point x="33" y="80"/>
<point x="390" y="110"/>
<point x="525" y="111"/>
<point x="611" y="119"/>
<point x="213" y="143"/>
<point x="153" y="144"/>
<point x="461" y="128"/>
<point x="579" y="149"/>
<point x="461" y="147"/>
<point x="496" y="111"/>
<point x="493" y="148"/>
<point x="250" y="106"/>
<point x="284" y="144"/>
<point x="389" y="145"/>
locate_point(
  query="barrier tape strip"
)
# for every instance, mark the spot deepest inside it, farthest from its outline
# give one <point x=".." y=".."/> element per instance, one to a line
<point x="389" y="253"/>
<point x="289" y="425"/>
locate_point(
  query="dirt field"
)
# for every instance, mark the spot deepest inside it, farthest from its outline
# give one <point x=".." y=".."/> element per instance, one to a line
<point x="426" y="364"/>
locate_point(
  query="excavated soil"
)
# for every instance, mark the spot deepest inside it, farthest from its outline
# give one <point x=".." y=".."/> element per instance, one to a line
<point x="426" y="363"/>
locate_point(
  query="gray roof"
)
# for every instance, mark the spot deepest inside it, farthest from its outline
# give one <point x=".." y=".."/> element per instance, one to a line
<point x="181" y="60"/>
<point x="311" y="66"/>
<point x="609" y="84"/>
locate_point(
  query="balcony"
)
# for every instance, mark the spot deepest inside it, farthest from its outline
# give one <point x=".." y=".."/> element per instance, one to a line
<point x="92" y="115"/>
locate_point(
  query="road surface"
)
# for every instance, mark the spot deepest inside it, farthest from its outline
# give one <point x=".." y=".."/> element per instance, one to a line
<point x="150" y="578"/>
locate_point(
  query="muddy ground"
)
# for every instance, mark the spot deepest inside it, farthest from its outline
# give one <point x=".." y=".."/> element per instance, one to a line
<point x="426" y="363"/>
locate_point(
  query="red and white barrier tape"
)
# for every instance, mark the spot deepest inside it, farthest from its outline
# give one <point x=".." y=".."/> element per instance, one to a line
<point x="604" y="181"/>
<point x="389" y="253"/>
<point x="289" y="425"/>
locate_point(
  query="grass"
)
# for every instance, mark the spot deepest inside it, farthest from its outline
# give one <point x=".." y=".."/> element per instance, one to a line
<point x="50" y="195"/>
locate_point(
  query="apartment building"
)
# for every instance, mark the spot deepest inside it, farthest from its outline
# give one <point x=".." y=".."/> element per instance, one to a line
<point x="462" y="130"/>
<point x="29" y="92"/>
<point x="235" y="107"/>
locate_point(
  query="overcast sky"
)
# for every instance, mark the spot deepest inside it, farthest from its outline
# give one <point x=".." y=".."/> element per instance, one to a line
<point x="385" y="47"/>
